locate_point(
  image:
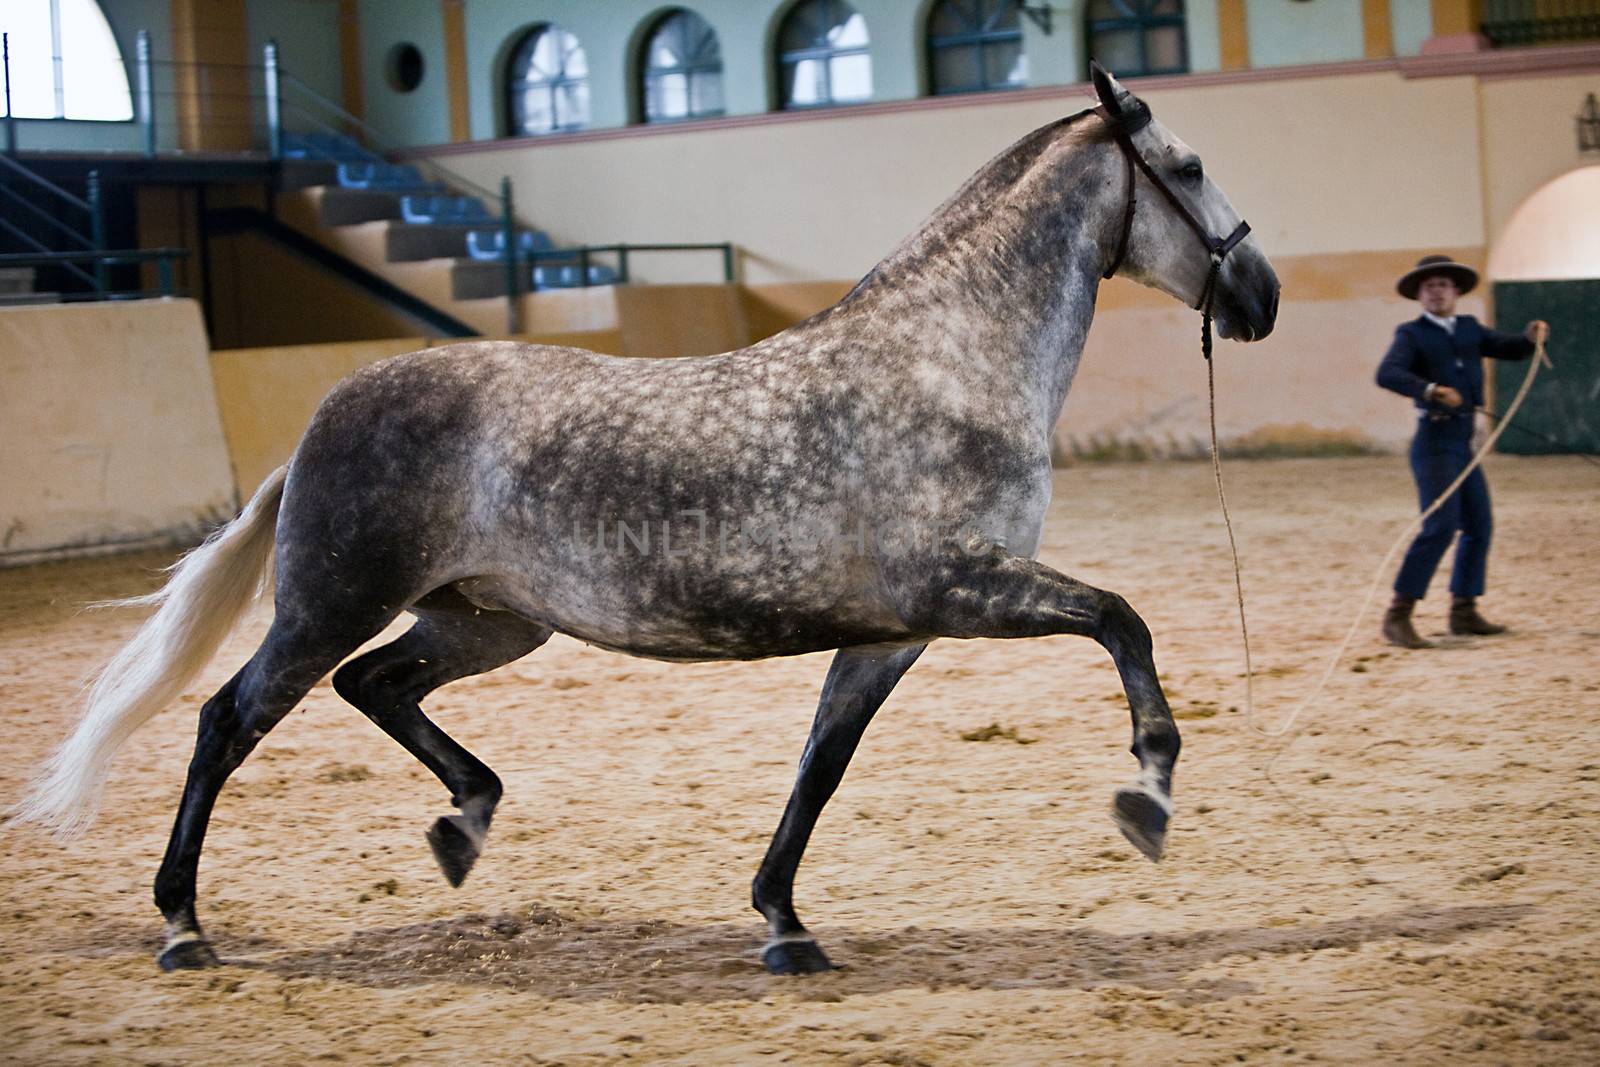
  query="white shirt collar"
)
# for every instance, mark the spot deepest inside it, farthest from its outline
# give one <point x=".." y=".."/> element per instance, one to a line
<point x="1447" y="325"/>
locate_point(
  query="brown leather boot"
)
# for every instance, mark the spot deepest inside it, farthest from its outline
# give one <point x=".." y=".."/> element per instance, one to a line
<point x="1464" y="618"/>
<point x="1397" y="628"/>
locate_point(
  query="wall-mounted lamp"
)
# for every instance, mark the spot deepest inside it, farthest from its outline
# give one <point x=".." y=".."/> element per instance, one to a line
<point x="1041" y="15"/>
<point x="1589" y="125"/>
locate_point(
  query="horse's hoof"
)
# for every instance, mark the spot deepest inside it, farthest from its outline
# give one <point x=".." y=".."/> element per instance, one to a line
<point x="193" y="955"/>
<point x="453" y="848"/>
<point x="1143" y="821"/>
<point x="795" y="957"/>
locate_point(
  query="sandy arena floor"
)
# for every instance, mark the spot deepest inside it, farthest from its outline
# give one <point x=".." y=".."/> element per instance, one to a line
<point x="1423" y="890"/>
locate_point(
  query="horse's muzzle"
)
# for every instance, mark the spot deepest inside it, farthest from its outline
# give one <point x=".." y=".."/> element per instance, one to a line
<point x="1246" y="306"/>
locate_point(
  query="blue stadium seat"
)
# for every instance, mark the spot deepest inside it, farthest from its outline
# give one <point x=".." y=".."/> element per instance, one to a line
<point x="379" y="176"/>
<point x="445" y="210"/>
<point x="570" y="275"/>
<point x="486" y="244"/>
<point x="490" y="244"/>
<point x="328" y="147"/>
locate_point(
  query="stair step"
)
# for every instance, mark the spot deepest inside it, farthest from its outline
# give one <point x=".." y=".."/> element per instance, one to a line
<point x="304" y="173"/>
<point x="405" y="242"/>
<point x="346" y="207"/>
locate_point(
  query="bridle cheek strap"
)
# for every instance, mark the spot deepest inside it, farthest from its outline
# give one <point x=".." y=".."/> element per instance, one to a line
<point x="1123" y="126"/>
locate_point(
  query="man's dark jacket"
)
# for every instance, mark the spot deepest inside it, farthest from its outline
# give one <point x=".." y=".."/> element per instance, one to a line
<point x="1423" y="353"/>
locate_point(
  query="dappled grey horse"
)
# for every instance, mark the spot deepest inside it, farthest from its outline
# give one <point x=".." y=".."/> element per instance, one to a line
<point x="872" y="479"/>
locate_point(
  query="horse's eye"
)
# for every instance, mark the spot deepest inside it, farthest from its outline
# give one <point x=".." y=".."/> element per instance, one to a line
<point x="1190" y="172"/>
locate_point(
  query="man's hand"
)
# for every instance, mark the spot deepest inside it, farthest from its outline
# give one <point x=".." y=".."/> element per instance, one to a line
<point x="1538" y="330"/>
<point x="1443" y="394"/>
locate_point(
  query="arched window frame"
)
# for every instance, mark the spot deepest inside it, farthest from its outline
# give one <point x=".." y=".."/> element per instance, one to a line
<point x="703" y="60"/>
<point x="1142" y="17"/>
<point x="114" y="100"/>
<point x="992" y="26"/>
<point x="835" y="13"/>
<point x="520" y="63"/>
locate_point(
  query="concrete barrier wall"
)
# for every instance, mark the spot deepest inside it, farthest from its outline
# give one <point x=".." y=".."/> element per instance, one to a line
<point x="109" y="428"/>
<point x="116" y="433"/>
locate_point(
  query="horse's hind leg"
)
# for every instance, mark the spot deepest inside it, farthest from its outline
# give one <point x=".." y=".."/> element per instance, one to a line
<point x="858" y="683"/>
<point x="1000" y="595"/>
<point x="451" y="640"/>
<point x="232" y="722"/>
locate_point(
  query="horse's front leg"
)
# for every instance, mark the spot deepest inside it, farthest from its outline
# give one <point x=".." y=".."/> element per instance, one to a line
<point x="858" y="683"/>
<point x="1000" y="595"/>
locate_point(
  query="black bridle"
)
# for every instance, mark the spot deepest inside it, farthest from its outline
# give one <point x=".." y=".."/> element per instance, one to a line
<point x="1124" y="125"/>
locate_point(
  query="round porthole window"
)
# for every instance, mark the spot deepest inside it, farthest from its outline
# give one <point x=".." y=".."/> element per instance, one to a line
<point x="404" y="67"/>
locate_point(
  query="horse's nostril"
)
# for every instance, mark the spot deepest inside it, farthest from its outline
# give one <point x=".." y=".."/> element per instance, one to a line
<point x="1274" y="312"/>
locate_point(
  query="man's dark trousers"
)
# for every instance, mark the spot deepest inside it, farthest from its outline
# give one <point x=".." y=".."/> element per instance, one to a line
<point x="1424" y="353"/>
<point x="1440" y="451"/>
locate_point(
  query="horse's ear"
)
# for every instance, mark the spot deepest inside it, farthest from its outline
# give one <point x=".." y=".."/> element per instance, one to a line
<point x="1106" y="88"/>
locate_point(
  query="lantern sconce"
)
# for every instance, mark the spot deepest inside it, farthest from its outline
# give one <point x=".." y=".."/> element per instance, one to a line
<point x="1589" y="125"/>
<point x="1042" y="16"/>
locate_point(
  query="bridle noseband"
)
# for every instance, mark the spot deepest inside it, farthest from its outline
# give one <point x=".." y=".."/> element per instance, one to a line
<point x="1123" y="126"/>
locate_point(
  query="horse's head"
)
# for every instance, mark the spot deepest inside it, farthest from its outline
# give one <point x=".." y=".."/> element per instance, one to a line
<point x="1181" y="220"/>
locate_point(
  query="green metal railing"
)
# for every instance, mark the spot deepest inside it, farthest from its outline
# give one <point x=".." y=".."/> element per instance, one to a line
<point x="102" y="259"/>
<point x="58" y="201"/>
<point x="1533" y="22"/>
<point x="584" y="253"/>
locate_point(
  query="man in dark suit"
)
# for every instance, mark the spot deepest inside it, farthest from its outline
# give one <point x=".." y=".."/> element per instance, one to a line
<point x="1436" y="361"/>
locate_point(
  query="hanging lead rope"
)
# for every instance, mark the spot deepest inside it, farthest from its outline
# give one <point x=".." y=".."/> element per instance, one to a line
<point x="1395" y="888"/>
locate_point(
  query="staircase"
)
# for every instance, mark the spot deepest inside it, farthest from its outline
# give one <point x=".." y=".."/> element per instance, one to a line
<point x="442" y="248"/>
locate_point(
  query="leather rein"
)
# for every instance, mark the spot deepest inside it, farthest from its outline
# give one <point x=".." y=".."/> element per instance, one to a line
<point x="1123" y="126"/>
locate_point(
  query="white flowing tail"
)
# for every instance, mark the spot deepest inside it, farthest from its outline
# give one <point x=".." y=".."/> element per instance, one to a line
<point x="209" y="591"/>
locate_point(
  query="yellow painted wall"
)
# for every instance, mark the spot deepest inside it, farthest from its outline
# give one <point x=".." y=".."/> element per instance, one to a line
<point x="680" y="320"/>
<point x="769" y="309"/>
<point x="109" y="428"/>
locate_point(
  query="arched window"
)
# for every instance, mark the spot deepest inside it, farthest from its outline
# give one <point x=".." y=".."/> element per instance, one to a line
<point x="682" y="77"/>
<point x="822" y="55"/>
<point x="65" y="63"/>
<point x="1137" y="36"/>
<point x="975" y="45"/>
<point x="547" y="83"/>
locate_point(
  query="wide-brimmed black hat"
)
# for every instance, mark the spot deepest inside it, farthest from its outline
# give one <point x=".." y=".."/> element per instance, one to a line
<point x="1430" y="266"/>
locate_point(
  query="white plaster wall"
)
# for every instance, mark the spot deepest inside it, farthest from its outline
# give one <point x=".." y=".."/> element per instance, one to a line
<point x="1326" y="164"/>
<point x="1554" y="234"/>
